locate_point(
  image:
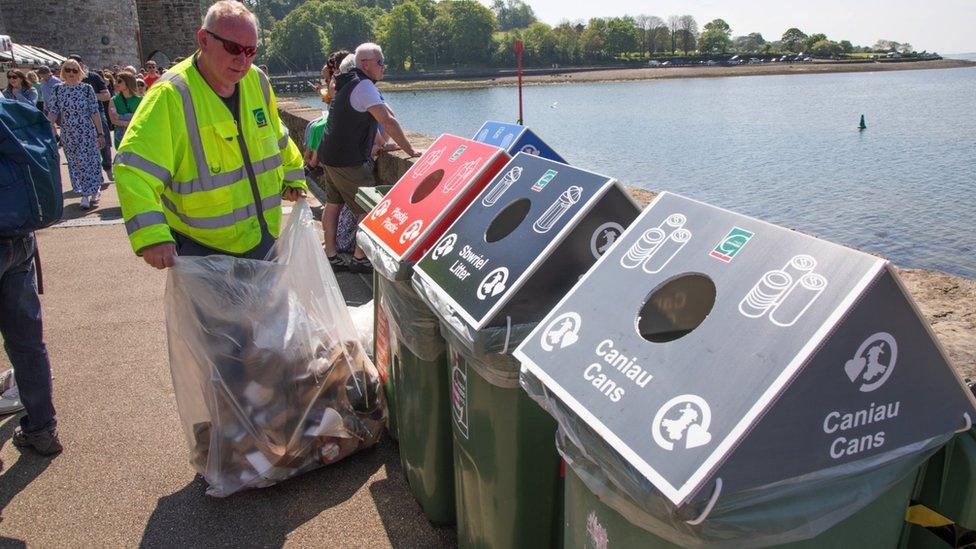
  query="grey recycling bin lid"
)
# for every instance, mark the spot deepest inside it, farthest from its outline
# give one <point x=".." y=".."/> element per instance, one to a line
<point x="523" y="241"/>
<point x="708" y="344"/>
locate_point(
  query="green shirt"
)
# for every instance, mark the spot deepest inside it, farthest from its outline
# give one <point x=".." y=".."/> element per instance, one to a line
<point x="125" y="106"/>
<point x="314" y="131"/>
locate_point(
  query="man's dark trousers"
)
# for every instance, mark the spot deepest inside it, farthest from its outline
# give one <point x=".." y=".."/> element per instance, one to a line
<point x="20" y="326"/>
<point x="106" y="151"/>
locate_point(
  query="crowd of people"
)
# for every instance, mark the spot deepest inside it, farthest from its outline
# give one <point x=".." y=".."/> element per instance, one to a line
<point x="90" y="110"/>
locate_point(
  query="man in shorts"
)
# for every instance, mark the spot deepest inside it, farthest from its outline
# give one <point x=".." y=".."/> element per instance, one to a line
<point x="350" y="132"/>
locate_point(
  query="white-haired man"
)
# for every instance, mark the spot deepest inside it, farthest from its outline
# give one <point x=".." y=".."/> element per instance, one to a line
<point x="205" y="161"/>
<point x="345" y="151"/>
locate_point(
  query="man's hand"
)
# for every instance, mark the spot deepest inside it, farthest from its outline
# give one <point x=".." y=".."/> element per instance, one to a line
<point x="292" y="194"/>
<point x="161" y="255"/>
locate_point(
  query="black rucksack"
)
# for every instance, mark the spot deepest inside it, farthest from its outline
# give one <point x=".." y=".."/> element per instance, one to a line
<point x="30" y="171"/>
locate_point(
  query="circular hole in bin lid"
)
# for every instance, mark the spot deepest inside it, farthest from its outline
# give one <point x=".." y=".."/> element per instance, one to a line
<point x="427" y="186"/>
<point x="507" y="220"/>
<point x="675" y="308"/>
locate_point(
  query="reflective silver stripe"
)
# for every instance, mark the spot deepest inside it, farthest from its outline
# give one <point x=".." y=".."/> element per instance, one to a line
<point x="221" y="221"/>
<point x="265" y="87"/>
<point x="295" y="175"/>
<point x="283" y="142"/>
<point x="226" y="178"/>
<point x="192" y="128"/>
<point x="132" y="159"/>
<point x="144" y="219"/>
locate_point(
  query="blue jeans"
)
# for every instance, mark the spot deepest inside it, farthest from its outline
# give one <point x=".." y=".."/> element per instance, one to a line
<point x="20" y="326"/>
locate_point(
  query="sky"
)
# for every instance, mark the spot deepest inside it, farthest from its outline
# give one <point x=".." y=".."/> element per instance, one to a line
<point x="943" y="26"/>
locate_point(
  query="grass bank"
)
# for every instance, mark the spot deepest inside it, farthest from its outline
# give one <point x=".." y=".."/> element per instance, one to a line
<point x="624" y="75"/>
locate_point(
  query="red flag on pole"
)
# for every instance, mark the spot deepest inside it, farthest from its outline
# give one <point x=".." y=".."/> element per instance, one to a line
<point x="518" y="69"/>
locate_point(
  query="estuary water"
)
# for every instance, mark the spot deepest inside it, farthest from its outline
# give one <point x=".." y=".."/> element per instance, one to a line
<point x="785" y="149"/>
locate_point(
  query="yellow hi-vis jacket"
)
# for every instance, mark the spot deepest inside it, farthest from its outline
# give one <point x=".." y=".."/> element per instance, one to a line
<point x="185" y="164"/>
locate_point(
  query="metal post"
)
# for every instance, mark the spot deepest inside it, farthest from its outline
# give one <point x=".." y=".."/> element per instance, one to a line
<point x="518" y="69"/>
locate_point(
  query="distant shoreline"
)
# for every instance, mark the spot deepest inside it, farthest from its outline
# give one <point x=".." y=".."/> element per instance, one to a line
<point x="625" y="75"/>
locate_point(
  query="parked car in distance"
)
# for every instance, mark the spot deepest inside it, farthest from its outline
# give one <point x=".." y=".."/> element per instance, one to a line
<point x="654" y="63"/>
<point x="711" y="62"/>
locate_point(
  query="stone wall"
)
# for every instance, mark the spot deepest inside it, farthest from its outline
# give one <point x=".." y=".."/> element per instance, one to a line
<point x="168" y="26"/>
<point x="103" y="32"/>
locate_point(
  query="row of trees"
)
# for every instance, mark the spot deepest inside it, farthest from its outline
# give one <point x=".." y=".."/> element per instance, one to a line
<point x="427" y="34"/>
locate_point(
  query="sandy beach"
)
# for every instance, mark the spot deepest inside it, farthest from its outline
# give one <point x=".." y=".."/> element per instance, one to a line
<point x="624" y="75"/>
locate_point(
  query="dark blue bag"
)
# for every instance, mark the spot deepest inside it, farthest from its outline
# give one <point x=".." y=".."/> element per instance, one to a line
<point x="30" y="171"/>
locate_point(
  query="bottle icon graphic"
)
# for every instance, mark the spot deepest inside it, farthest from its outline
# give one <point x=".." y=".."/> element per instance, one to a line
<point x="499" y="189"/>
<point x="426" y="162"/>
<point x="460" y="176"/>
<point x="563" y="203"/>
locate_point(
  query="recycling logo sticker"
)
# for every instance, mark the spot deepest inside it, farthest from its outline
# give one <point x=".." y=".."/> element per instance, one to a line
<point x="683" y="421"/>
<point x="412" y="231"/>
<point x="493" y="284"/>
<point x="381" y="209"/>
<point x="444" y="247"/>
<point x="873" y="362"/>
<point x="562" y="332"/>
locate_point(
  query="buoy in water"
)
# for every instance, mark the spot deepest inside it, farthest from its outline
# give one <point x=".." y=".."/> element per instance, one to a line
<point x="862" y="126"/>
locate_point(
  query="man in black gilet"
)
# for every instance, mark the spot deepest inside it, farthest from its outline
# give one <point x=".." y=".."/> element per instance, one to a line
<point x="345" y="151"/>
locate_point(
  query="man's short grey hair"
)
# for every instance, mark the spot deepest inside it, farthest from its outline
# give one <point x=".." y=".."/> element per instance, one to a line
<point x="368" y="50"/>
<point x="347" y="64"/>
<point x="227" y="9"/>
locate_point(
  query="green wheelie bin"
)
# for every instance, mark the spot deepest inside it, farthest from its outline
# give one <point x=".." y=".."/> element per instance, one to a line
<point x="368" y="198"/>
<point x="506" y="469"/>
<point x="419" y="375"/>
<point x="526" y="239"/>
<point x="592" y="523"/>
<point x="948" y="487"/>
<point x="408" y="220"/>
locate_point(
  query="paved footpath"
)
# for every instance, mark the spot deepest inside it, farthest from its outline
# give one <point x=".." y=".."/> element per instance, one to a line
<point x="124" y="479"/>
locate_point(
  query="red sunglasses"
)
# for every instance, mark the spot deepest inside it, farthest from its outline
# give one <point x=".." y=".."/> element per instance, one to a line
<point x="234" y="48"/>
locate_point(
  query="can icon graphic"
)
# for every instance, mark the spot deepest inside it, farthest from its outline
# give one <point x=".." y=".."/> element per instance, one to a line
<point x="552" y="215"/>
<point x="799" y="265"/>
<point x="660" y="257"/>
<point x="673" y="221"/>
<point x="642" y="249"/>
<point x="764" y="295"/>
<point x="796" y="302"/>
<point x="499" y="189"/>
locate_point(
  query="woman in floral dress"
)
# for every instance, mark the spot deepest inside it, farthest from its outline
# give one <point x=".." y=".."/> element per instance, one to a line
<point x="75" y="109"/>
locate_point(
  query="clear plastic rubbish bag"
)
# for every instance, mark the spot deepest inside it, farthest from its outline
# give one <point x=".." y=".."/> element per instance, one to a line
<point x="270" y="377"/>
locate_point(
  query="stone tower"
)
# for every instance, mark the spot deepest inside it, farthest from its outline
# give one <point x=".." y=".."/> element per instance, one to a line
<point x="105" y="32"/>
<point x="101" y="31"/>
<point x="168" y="28"/>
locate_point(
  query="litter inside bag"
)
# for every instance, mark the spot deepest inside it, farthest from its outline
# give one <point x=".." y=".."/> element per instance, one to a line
<point x="270" y="376"/>
<point x="362" y="318"/>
